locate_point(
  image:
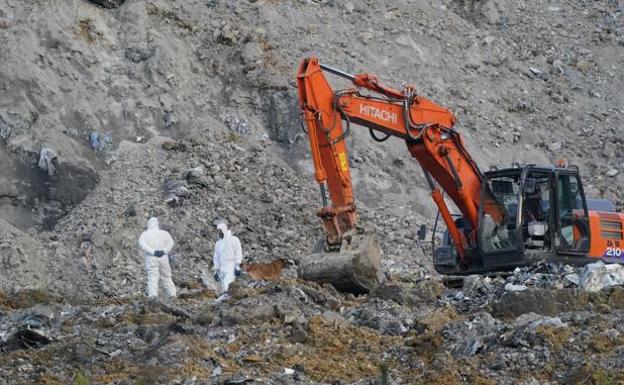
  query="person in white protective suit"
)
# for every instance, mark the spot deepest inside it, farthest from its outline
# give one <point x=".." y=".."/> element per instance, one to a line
<point x="227" y="259"/>
<point x="156" y="245"/>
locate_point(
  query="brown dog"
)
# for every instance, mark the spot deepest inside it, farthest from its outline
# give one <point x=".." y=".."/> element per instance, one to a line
<point x="266" y="271"/>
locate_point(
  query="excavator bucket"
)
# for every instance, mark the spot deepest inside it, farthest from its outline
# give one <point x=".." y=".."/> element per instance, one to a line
<point x="357" y="268"/>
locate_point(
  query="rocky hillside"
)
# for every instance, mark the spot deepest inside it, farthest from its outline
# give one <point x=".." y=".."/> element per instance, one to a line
<point x="187" y="110"/>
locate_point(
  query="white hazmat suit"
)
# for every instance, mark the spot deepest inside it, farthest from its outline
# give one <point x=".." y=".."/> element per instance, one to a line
<point x="228" y="255"/>
<point x="152" y="242"/>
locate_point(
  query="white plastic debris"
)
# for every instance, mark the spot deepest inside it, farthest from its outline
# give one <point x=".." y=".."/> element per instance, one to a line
<point x="237" y="125"/>
<point x="573" y="278"/>
<point x="532" y="320"/>
<point x="47" y="158"/>
<point x="512" y="287"/>
<point x="195" y="172"/>
<point x="597" y="276"/>
<point x="289" y="371"/>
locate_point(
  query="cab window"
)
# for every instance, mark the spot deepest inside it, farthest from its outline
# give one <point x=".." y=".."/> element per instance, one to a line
<point x="572" y="215"/>
<point x="500" y="207"/>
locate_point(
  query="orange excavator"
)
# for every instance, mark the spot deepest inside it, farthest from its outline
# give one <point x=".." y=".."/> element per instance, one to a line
<point x="507" y="217"/>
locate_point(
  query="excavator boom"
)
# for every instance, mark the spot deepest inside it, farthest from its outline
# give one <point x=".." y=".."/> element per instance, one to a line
<point x="426" y="127"/>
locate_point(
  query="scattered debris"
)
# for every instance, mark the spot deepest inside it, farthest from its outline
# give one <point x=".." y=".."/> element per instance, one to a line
<point x="94" y="141"/>
<point x="512" y="287"/>
<point x="237" y="125"/>
<point x="169" y="119"/>
<point x="535" y="71"/>
<point x="554" y="146"/>
<point x="175" y="192"/>
<point x="48" y="160"/>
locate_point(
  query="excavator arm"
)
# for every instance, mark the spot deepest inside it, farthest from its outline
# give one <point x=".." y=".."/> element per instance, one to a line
<point x="426" y="127"/>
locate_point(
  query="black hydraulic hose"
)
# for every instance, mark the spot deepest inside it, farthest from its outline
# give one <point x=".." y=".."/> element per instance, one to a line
<point x="323" y="195"/>
<point x="376" y="138"/>
<point x="347" y="130"/>
<point x="409" y="125"/>
<point x="336" y="106"/>
<point x="303" y="125"/>
<point x="435" y="227"/>
<point x="455" y="137"/>
<point x="408" y="121"/>
<point x="432" y="186"/>
<point x="428" y="178"/>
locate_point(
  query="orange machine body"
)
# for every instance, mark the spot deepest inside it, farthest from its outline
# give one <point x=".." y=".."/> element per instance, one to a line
<point x="607" y="236"/>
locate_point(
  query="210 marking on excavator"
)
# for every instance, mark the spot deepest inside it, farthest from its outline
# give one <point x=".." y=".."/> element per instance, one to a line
<point x="378" y="113"/>
<point x="613" y="249"/>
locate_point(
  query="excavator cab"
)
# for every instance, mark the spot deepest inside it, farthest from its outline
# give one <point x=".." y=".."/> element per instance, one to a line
<point x="523" y="209"/>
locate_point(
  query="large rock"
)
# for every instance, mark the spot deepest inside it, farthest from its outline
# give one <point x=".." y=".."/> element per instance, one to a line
<point x="597" y="276"/>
